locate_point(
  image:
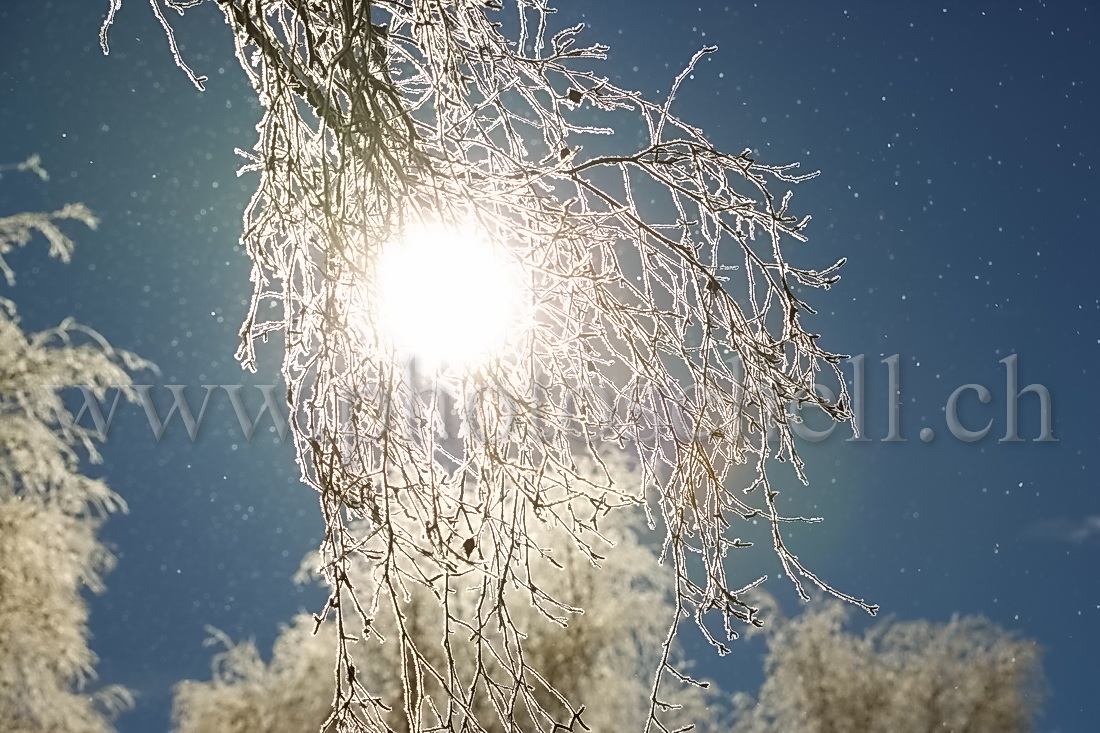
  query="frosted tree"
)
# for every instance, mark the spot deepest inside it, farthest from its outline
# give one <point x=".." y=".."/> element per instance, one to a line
<point x="50" y="510"/>
<point x="598" y="657"/>
<point x="654" y="309"/>
<point x="909" y="677"/>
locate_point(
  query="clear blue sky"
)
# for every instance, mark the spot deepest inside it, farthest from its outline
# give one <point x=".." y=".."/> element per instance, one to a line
<point x="959" y="158"/>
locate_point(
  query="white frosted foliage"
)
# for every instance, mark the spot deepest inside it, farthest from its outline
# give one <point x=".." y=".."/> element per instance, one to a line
<point x="49" y="510"/>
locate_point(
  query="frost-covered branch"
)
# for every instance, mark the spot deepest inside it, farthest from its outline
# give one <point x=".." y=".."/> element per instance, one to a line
<point x="664" y="318"/>
<point x="596" y="658"/>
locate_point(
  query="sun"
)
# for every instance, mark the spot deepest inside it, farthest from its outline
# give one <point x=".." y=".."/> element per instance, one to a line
<point x="447" y="296"/>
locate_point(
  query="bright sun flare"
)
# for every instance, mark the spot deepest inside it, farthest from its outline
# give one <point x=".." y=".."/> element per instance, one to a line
<point x="446" y="297"/>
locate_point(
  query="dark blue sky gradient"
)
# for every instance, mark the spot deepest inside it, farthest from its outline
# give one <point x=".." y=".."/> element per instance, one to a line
<point x="958" y="158"/>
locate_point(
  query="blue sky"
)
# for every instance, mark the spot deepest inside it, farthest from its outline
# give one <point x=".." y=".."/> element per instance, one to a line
<point x="958" y="176"/>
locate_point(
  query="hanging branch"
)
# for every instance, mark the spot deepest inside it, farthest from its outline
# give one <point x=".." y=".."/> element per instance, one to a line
<point x="664" y="320"/>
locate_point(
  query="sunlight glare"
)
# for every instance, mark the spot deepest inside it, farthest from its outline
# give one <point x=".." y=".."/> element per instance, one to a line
<point x="446" y="297"/>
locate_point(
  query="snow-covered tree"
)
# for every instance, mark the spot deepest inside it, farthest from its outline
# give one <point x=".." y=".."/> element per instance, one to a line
<point x="49" y="509"/>
<point x="964" y="676"/>
<point x="652" y="308"/>
<point x="590" y="634"/>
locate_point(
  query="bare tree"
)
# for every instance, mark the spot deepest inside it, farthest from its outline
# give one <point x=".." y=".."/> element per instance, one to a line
<point x="910" y="677"/>
<point x="49" y="510"/>
<point x="596" y="649"/>
<point x="660" y="314"/>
